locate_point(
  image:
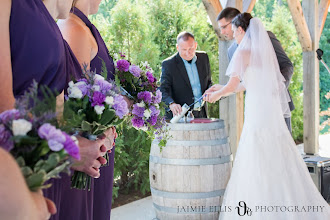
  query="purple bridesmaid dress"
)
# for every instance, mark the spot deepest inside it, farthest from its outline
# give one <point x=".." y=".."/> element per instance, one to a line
<point x="39" y="52"/>
<point x="96" y="203"/>
<point x="102" y="186"/>
<point x="37" y="48"/>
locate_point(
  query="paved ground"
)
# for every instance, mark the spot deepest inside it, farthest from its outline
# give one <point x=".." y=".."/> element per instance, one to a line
<point x="138" y="210"/>
<point x="143" y="209"/>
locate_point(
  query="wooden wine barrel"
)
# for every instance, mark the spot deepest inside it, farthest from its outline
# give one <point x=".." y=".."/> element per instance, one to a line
<point x="189" y="176"/>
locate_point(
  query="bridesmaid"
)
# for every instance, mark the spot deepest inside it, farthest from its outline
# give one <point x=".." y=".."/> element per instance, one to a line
<point x="89" y="48"/>
<point x="32" y="48"/>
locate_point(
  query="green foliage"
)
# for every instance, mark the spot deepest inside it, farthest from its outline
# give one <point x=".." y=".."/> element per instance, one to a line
<point x="324" y="74"/>
<point x="132" y="159"/>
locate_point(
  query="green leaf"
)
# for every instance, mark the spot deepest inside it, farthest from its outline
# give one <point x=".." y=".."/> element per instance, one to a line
<point x="21" y="162"/>
<point x="54" y="173"/>
<point x="86" y="126"/>
<point x="107" y="116"/>
<point x="26" y="171"/>
<point x="36" y="180"/>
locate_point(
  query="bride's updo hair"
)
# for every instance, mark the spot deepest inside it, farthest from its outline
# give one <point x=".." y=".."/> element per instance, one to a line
<point x="242" y="20"/>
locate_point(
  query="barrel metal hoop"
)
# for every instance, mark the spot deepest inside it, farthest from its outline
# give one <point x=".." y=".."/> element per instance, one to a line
<point x="197" y="127"/>
<point x="191" y="162"/>
<point x="197" y="143"/>
<point x="186" y="195"/>
<point x="175" y="210"/>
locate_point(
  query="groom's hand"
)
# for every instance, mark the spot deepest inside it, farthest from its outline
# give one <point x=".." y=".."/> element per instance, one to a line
<point x="175" y="108"/>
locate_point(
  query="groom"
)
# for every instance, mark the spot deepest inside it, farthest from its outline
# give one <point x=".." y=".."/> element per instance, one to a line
<point x="224" y="21"/>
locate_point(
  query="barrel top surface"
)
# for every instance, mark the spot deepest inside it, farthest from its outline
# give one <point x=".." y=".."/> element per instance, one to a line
<point x="216" y="124"/>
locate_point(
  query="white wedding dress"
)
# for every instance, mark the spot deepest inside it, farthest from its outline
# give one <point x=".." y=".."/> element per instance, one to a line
<point x="268" y="175"/>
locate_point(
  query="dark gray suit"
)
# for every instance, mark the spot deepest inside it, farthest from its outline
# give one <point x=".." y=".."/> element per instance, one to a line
<point x="175" y="84"/>
<point x="284" y="62"/>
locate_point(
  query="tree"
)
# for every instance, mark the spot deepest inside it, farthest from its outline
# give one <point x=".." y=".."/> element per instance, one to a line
<point x="324" y="74"/>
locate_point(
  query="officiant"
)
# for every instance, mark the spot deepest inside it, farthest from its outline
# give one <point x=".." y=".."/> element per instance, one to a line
<point x="185" y="77"/>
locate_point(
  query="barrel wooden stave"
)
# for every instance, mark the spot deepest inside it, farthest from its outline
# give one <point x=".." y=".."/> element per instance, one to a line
<point x="191" y="142"/>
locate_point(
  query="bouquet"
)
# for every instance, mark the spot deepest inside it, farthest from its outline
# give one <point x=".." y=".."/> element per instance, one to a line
<point x="138" y="83"/>
<point x="30" y="135"/>
<point x="93" y="105"/>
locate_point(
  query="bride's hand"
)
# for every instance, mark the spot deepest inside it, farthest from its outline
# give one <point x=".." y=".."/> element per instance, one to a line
<point x="214" y="88"/>
<point x="212" y="97"/>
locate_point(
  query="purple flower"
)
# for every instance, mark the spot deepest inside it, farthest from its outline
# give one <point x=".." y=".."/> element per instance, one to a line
<point x="5" y="139"/>
<point x="82" y="85"/>
<point x="135" y="70"/>
<point x="54" y="136"/>
<point x="104" y="86"/>
<point x="153" y="120"/>
<point x="82" y="80"/>
<point x="154" y="110"/>
<point x="145" y="96"/>
<point x="158" y="97"/>
<point x="120" y="105"/>
<point x="137" y="122"/>
<point x="138" y="111"/>
<point x="150" y="77"/>
<point x="9" y="115"/>
<point x="98" y="98"/>
<point x="71" y="147"/>
<point x="123" y="65"/>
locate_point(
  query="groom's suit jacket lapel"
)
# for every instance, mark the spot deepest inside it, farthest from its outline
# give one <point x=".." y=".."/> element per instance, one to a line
<point x="182" y="70"/>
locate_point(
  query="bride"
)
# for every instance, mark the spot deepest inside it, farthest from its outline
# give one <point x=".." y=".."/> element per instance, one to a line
<point x="269" y="179"/>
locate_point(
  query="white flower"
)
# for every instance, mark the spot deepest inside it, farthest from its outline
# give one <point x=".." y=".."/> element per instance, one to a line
<point x="141" y="104"/>
<point x="147" y="113"/>
<point x="156" y="105"/>
<point x="144" y="64"/>
<point x="21" y="127"/>
<point x="109" y="100"/>
<point x="96" y="88"/>
<point x="71" y="84"/>
<point x="75" y="92"/>
<point x="98" y="77"/>
<point x="144" y="128"/>
<point x="115" y="56"/>
<point x="99" y="109"/>
<point x="74" y="138"/>
<point x="80" y="83"/>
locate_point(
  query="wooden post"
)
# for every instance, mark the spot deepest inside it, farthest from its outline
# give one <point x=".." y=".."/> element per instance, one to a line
<point x="248" y="5"/>
<point x="311" y="80"/>
<point x="231" y="108"/>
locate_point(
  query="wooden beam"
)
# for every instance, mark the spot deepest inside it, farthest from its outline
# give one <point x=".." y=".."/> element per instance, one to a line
<point x="300" y="24"/>
<point x="323" y="12"/>
<point x="248" y="5"/>
<point x="213" y="8"/>
<point x="311" y="81"/>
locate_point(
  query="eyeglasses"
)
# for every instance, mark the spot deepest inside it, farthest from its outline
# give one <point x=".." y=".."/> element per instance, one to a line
<point x="223" y="27"/>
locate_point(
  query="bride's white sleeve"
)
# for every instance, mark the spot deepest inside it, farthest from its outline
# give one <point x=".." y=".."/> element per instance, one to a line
<point x="239" y="63"/>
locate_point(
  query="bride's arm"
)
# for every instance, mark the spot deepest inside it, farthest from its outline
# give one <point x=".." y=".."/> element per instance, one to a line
<point x="229" y="88"/>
